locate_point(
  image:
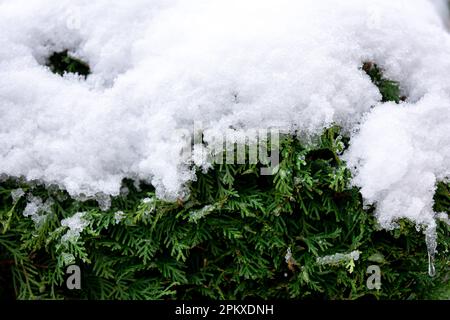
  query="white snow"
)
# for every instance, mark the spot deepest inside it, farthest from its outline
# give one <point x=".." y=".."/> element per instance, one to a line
<point x="288" y="257"/>
<point x="16" y="194"/>
<point x="75" y="225"/>
<point x="443" y="9"/>
<point x="160" y="66"/>
<point x="338" y="258"/>
<point x="400" y="153"/>
<point x="444" y="217"/>
<point x="119" y="216"/>
<point x="37" y="210"/>
<point x="199" y="214"/>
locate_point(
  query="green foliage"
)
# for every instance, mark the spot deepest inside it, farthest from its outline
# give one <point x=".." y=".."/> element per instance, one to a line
<point x="61" y="62"/>
<point x="390" y="90"/>
<point x="442" y="197"/>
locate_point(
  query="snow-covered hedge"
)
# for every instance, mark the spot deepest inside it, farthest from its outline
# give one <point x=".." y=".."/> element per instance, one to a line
<point x="302" y="233"/>
<point x="147" y="74"/>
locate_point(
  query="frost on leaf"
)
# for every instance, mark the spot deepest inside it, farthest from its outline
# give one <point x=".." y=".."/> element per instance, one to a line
<point x="119" y="216"/>
<point x="346" y="259"/>
<point x="67" y="258"/>
<point x="196" y="215"/>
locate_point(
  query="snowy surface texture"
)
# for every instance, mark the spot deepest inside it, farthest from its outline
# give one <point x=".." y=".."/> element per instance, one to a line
<point x="159" y="66"/>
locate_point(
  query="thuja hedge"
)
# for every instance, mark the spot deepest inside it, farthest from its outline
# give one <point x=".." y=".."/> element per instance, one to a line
<point x="229" y="239"/>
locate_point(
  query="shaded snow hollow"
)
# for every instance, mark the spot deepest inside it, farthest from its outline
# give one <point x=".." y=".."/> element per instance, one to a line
<point x="159" y="66"/>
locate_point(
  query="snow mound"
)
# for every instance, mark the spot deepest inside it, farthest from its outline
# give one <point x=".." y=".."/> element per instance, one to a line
<point x="400" y="154"/>
<point x="159" y="67"/>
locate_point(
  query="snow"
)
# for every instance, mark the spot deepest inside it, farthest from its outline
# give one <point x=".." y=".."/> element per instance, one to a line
<point x="443" y="217"/>
<point x="196" y="215"/>
<point x="443" y="9"/>
<point x="68" y="258"/>
<point x="160" y="67"/>
<point x="400" y="153"/>
<point x="288" y="257"/>
<point x="16" y="194"/>
<point x="149" y="205"/>
<point x="119" y="216"/>
<point x="338" y="258"/>
<point x="148" y="200"/>
<point x="75" y="225"/>
<point x="37" y="210"/>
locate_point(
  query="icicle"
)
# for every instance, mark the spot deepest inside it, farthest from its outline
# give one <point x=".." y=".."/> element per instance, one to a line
<point x="431" y="267"/>
<point x="430" y="239"/>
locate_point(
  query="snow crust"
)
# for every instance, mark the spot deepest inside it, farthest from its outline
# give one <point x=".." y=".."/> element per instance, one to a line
<point x="159" y="67"/>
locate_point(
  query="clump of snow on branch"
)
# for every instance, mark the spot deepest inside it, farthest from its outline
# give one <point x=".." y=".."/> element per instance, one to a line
<point x="16" y="194"/>
<point x="119" y="216"/>
<point x="196" y="215"/>
<point x="75" y="225"/>
<point x="399" y="155"/>
<point x="347" y="259"/>
<point x="158" y="67"/>
<point x="338" y="258"/>
<point x="36" y="209"/>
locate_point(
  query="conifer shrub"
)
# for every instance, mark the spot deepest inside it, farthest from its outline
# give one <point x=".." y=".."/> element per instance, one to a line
<point x="302" y="233"/>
